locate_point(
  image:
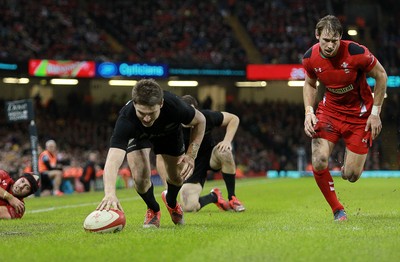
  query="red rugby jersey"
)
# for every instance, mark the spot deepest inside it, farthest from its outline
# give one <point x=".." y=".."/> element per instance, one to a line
<point x="5" y="182"/>
<point x="344" y="76"/>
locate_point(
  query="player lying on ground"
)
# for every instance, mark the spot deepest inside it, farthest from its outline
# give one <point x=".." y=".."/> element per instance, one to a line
<point x="12" y="194"/>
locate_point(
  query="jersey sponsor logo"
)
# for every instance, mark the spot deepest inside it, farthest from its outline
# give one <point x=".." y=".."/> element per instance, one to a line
<point x="318" y="69"/>
<point x="364" y="140"/>
<point x="341" y="90"/>
<point x="344" y="65"/>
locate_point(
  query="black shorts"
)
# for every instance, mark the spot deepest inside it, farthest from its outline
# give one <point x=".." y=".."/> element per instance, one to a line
<point x="201" y="166"/>
<point x="171" y="144"/>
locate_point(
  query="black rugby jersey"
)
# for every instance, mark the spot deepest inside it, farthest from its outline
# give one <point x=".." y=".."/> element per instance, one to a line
<point x="173" y="114"/>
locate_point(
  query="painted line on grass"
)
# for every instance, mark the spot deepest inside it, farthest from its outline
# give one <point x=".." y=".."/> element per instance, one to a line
<point x="250" y="182"/>
<point x="74" y="206"/>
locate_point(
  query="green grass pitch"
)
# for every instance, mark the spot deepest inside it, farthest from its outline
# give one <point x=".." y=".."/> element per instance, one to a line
<point x="286" y="220"/>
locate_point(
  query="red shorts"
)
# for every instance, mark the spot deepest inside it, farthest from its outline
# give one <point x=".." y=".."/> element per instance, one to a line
<point x="332" y="129"/>
<point x="11" y="209"/>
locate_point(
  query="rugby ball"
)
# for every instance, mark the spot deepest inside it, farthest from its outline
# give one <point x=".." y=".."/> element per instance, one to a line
<point x="103" y="221"/>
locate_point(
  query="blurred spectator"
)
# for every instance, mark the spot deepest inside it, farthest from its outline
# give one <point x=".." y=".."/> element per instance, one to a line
<point x="88" y="176"/>
<point x="51" y="172"/>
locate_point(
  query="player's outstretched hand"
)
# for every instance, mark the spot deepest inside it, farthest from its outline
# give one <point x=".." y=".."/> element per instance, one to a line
<point x="110" y="202"/>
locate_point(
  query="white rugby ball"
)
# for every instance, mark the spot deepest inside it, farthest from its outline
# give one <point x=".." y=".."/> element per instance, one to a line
<point x="104" y="221"/>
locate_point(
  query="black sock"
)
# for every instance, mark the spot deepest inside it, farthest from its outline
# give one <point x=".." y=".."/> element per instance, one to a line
<point x="230" y="184"/>
<point x="208" y="199"/>
<point x="150" y="200"/>
<point x="172" y="194"/>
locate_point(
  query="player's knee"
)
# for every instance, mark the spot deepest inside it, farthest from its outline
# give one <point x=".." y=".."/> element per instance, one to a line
<point x="177" y="180"/>
<point x="142" y="184"/>
<point x="191" y="206"/>
<point x="320" y="163"/>
<point x="190" y="197"/>
<point x="351" y="176"/>
<point x="189" y="202"/>
<point x="225" y="157"/>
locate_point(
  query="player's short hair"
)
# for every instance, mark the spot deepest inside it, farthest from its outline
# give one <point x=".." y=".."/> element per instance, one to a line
<point x="190" y="100"/>
<point x="147" y="92"/>
<point x="32" y="181"/>
<point x="331" y="24"/>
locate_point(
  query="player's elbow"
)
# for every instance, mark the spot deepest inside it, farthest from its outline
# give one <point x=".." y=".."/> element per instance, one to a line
<point x="236" y="120"/>
<point x="381" y="77"/>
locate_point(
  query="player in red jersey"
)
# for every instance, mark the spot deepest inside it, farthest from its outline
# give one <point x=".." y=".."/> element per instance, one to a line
<point x="12" y="194"/>
<point x="348" y="110"/>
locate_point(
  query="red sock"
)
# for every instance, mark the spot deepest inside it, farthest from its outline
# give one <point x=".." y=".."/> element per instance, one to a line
<point x="325" y="183"/>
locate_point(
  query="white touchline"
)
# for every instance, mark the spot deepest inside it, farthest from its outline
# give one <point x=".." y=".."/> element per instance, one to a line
<point x="73" y="206"/>
<point x="242" y="183"/>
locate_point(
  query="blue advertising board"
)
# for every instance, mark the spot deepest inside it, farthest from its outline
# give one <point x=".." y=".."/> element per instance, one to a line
<point x="392" y="82"/>
<point x="110" y="69"/>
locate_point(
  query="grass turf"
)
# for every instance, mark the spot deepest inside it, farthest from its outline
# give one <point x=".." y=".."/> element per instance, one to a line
<point x="285" y="220"/>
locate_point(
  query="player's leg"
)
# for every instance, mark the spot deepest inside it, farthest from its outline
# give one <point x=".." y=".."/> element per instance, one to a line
<point x="354" y="165"/>
<point x="358" y="142"/>
<point x="226" y="162"/>
<point x="162" y="172"/>
<point x="321" y="150"/>
<point x="190" y="194"/>
<point x="173" y="179"/>
<point x="139" y="164"/>
<point x="170" y="149"/>
<point x="174" y="183"/>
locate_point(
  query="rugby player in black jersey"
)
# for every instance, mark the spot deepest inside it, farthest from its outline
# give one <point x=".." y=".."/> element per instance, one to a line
<point x="153" y="119"/>
<point x="212" y="156"/>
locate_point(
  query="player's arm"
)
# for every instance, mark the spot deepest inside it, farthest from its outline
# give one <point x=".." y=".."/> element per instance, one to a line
<point x="374" y="122"/>
<point x="114" y="160"/>
<point x="13" y="201"/>
<point x="231" y="122"/>
<point x="309" y="96"/>
<point x="198" y="124"/>
<point x="379" y="73"/>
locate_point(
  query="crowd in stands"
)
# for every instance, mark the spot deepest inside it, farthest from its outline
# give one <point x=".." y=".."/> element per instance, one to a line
<point x="190" y="33"/>
<point x="50" y="30"/>
<point x="270" y="137"/>
<point x="281" y="30"/>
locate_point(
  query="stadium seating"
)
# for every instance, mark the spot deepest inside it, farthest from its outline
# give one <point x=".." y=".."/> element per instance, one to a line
<point x="190" y="34"/>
